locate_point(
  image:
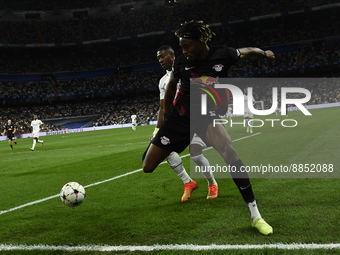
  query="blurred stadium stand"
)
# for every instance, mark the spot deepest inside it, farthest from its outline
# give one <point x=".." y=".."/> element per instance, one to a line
<point x="74" y="53"/>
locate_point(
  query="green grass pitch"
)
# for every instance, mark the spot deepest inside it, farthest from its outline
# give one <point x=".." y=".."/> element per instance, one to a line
<point x="145" y="209"/>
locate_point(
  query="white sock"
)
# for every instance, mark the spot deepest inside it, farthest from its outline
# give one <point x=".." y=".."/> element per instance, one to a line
<point x="254" y="211"/>
<point x="247" y="124"/>
<point x="203" y="162"/>
<point x="176" y="164"/>
<point x="34" y="143"/>
<point x="40" y="141"/>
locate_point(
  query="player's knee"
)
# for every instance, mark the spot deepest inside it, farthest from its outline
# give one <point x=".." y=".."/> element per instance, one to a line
<point x="147" y="167"/>
<point x="195" y="150"/>
<point x="229" y="155"/>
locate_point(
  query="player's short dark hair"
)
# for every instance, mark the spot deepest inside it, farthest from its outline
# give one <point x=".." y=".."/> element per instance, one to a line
<point x="165" y="47"/>
<point x="195" y="30"/>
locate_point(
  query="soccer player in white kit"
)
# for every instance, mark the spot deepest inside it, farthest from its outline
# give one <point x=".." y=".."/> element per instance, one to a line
<point x="35" y="124"/>
<point x="165" y="56"/>
<point x="229" y="113"/>
<point x="277" y="110"/>
<point x="134" y="122"/>
<point x="248" y="115"/>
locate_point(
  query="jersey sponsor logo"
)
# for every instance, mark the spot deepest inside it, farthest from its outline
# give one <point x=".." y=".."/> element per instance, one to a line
<point x="218" y="68"/>
<point x="206" y="83"/>
<point x="165" y="140"/>
<point x="188" y="68"/>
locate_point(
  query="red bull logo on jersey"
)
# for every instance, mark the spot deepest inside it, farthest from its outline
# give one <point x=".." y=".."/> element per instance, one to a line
<point x="205" y="85"/>
<point x="205" y="80"/>
<point x="218" y="68"/>
<point x="165" y="140"/>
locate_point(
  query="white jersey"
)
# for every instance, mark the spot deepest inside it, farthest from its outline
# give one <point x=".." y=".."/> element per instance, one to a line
<point x="133" y="118"/>
<point x="230" y="109"/>
<point x="247" y="112"/>
<point x="163" y="83"/>
<point x="36" y="125"/>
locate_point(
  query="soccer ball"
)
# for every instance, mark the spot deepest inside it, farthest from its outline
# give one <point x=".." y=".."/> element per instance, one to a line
<point x="72" y="194"/>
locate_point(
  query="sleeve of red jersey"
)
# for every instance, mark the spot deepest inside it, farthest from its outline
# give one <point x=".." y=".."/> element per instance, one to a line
<point x="233" y="54"/>
<point x="176" y="66"/>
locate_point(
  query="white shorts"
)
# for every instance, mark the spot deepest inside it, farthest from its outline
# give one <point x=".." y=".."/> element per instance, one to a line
<point x="197" y="140"/>
<point x="36" y="135"/>
<point x="248" y="115"/>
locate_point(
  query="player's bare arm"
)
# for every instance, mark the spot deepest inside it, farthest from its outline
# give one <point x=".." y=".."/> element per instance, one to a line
<point x="250" y="52"/>
<point x="160" y="113"/>
<point x="170" y="92"/>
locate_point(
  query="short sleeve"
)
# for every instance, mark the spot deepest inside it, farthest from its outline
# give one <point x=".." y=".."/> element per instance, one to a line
<point x="176" y="67"/>
<point x="232" y="53"/>
<point x="161" y="89"/>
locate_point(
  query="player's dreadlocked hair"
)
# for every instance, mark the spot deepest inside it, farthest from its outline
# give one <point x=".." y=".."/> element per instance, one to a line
<point x="195" y="30"/>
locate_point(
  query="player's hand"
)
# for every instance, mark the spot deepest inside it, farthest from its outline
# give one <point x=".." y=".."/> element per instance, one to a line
<point x="270" y="56"/>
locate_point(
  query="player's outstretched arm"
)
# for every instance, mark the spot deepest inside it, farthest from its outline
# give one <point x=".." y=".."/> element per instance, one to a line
<point x="249" y="52"/>
<point x="170" y="92"/>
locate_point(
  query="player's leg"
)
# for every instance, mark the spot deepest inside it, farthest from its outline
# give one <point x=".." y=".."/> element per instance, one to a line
<point x="219" y="138"/>
<point x="36" y="136"/>
<point x="153" y="157"/>
<point x="35" y="139"/>
<point x="246" y="121"/>
<point x="250" y="124"/>
<point x="175" y="162"/>
<point x="196" y="154"/>
<point x="10" y="142"/>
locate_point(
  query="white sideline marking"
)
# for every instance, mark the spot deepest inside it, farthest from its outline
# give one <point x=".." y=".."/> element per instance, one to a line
<point x="65" y="149"/>
<point x="97" y="183"/>
<point x="191" y="247"/>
